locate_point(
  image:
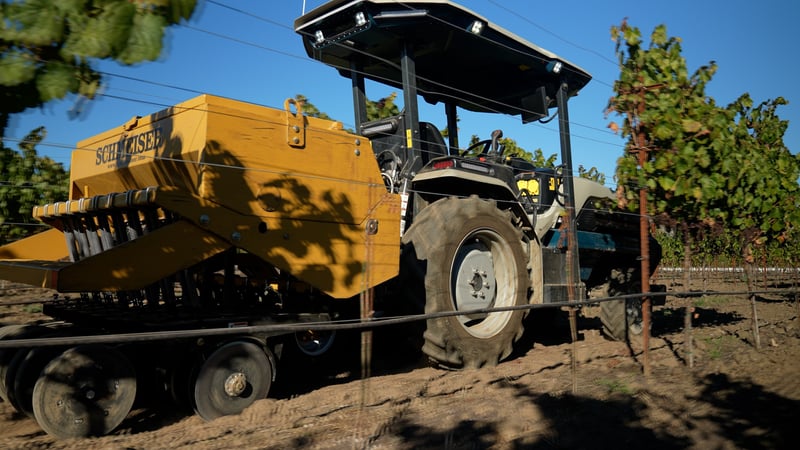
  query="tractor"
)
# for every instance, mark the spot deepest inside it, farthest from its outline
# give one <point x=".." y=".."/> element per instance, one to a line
<point x="202" y="244"/>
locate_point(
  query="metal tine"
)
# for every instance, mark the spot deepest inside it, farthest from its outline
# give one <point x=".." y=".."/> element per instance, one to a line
<point x="169" y="216"/>
<point x="168" y="290"/>
<point x="120" y="227"/>
<point x="80" y="236"/>
<point x="150" y="219"/>
<point x="106" y="239"/>
<point x="134" y="224"/>
<point x="124" y="298"/>
<point x="188" y="288"/>
<point x="69" y="236"/>
<point x="153" y="294"/>
<point x="108" y="298"/>
<point x="80" y="230"/>
<point x="90" y="230"/>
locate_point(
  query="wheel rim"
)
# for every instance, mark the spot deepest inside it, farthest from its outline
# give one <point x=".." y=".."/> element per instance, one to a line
<point x="633" y="310"/>
<point x="231" y="379"/>
<point x="483" y="276"/>
<point x="314" y="342"/>
<point x="86" y="391"/>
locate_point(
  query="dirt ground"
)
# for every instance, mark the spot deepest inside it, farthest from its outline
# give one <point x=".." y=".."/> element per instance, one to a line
<point x="735" y="396"/>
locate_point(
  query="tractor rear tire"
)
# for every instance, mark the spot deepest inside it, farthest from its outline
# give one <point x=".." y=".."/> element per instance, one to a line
<point x="470" y="256"/>
<point x="622" y="319"/>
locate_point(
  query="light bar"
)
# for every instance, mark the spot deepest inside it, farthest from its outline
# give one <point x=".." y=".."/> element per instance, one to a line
<point x="405" y="14"/>
<point x="381" y="128"/>
<point x="475" y="167"/>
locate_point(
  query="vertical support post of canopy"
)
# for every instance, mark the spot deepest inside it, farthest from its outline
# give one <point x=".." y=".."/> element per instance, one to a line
<point x="409" y="74"/>
<point x="573" y="271"/>
<point x="359" y="94"/>
<point x="412" y="144"/>
<point x="452" y="126"/>
<point x="573" y="265"/>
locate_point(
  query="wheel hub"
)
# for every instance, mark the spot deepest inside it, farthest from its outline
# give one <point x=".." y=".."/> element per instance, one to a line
<point x="233" y="377"/>
<point x="235" y="384"/>
<point x="477" y="282"/>
<point x="474" y="284"/>
<point x="483" y="276"/>
<point x="85" y="391"/>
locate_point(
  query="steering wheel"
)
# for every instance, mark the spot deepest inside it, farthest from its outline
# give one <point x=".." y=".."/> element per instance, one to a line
<point x="492" y="144"/>
<point x="486" y="144"/>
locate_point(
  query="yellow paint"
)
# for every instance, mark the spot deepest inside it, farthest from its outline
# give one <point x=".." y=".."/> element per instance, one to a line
<point x="530" y="185"/>
<point x="297" y="191"/>
<point x="47" y="245"/>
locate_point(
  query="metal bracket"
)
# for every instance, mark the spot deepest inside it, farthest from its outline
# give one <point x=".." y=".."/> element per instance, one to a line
<point x="295" y="124"/>
<point x="372" y="227"/>
<point x="131" y="124"/>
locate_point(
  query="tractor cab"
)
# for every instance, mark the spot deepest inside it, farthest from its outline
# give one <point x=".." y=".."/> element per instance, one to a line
<point x="443" y="53"/>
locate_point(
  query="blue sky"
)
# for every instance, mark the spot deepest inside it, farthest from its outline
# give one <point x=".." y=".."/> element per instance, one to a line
<point x="257" y="57"/>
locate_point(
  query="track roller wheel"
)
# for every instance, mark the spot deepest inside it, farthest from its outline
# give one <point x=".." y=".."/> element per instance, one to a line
<point x="181" y="370"/>
<point x="85" y="391"/>
<point x="233" y="377"/>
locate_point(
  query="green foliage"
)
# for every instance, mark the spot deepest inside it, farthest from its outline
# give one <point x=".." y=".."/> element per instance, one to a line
<point x="721" y="249"/>
<point x="386" y="107"/>
<point x="46" y="46"/>
<point x="539" y="160"/>
<point x="27" y="180"/>
<point x="709" y="169"/>
<point x="591" y="174"/>
<point x="381" y="108"/>
<point x="513" y="149"/>
<point x="666" y="112"/>
<point x="615" y="386"/>
<point x="309" y="109"/>
<point x="537" y="157"/>
<point x="720" y="346"/>
<point x="725" y="249"/>
<point x="671" y="248"/>
<point x="763" y="179"/>
<point x="376" y="109"/>
<point x="33" y="308"/>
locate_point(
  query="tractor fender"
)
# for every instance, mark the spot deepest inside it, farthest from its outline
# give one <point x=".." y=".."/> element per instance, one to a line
<point x="587" y="189"/>
<point x="434" y="185"/>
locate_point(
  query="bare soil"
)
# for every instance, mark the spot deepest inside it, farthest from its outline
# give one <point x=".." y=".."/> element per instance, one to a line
<point x="735" y="396"/>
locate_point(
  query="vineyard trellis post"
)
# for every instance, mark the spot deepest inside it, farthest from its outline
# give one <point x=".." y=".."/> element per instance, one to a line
<point x="640" y="147"/>
<point x="645" y="257"/>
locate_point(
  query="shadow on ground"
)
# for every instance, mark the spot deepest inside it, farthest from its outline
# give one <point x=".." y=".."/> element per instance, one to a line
<point x="743" y="415"/>
<point x="670" y="320"/>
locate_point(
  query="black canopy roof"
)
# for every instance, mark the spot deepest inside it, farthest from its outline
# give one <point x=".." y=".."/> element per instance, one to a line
<point x="460" y="57"/>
